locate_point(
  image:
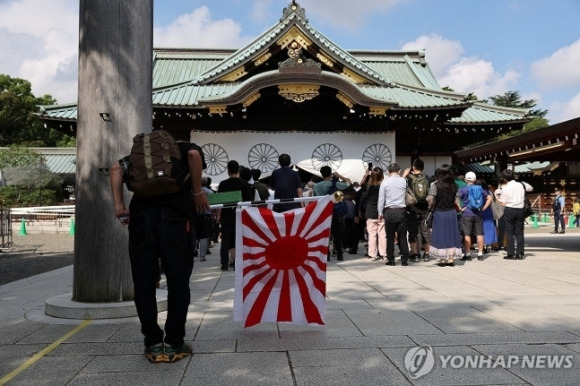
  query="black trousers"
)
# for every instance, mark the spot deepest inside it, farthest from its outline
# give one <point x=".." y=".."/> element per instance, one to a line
<point x="396" y="223"/>
<point x="161" y="233"/>
<point x="337" y="231"/>
<point x="514" y="219"/>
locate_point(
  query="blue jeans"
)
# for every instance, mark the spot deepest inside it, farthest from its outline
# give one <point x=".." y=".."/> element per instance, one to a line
<point x="161" y="232"/>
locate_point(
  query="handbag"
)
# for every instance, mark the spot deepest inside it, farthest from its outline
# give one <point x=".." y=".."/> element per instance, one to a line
<point x="528" y="211"/>
<point x="497" y="209"/>
<point x="410" y="198"/>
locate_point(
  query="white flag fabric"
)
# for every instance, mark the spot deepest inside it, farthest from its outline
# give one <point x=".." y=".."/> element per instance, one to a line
<point x="281" y="264"/>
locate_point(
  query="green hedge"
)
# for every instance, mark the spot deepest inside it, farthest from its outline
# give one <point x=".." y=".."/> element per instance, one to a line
<point x="15" y="197"/>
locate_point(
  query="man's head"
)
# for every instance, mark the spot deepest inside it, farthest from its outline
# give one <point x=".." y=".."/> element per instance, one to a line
<point x="418" y="165"/>
<point x="470" y="177"/>
<point x="325" y="171"/>
<point x="558" y="190"/>
<point x="233" y="167"/>
<point x="256" y="174"/>
<point x="393" y="168"/>
<point x="245" y="173"/>
<point x="284" y="160"/>
<point x="205" y="181"/>
<point x="508" y="175"/>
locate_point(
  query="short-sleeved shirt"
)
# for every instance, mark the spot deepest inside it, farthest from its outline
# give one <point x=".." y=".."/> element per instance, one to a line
<point x="234" y="184"/>
<point x="285" y="183"/>
<point x="513" y="194"/>
<point x="321" y="188"/>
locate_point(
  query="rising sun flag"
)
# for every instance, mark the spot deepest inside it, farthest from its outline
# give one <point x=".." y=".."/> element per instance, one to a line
<point x="281" y="264"/>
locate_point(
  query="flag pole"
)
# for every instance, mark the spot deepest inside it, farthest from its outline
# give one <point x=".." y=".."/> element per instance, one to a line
<point x="265" y="202"/>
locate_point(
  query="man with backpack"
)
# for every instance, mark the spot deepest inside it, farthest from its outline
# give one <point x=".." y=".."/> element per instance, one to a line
<point x="160" y="218"/>
<point x="331" y="182"/>
<point x="419" y="211"/>
<point x="474" y="200"/>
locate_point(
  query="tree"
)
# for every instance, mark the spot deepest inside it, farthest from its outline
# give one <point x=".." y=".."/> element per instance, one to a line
<point x="29" y="179"/>
<point x="16" y="156"/>
<point x="513" y="99"/>
<point x="19" y="123"/>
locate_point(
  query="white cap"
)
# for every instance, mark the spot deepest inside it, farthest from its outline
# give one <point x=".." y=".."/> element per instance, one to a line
<point x="470" y="176"/>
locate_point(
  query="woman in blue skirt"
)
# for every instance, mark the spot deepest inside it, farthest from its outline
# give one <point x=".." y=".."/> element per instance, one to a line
<point x="445" y="237"/>
<point x="489" y="227"/>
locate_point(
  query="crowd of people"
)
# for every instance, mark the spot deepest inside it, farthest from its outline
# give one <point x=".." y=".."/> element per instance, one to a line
<point x="451" y="215"/>
<point x="397" y="212"/>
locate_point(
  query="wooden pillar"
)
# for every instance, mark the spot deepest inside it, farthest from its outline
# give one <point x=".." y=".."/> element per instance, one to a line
<point x="114" y="104"/>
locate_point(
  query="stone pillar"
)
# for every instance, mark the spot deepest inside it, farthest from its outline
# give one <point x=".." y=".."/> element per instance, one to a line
<point x="114" y="104"/>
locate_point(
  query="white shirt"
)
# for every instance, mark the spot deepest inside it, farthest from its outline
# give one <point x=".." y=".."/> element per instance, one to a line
<point x="513" y="194"/>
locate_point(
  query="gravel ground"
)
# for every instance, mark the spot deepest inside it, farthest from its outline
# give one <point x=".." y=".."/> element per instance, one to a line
<point x="33" y="254"/>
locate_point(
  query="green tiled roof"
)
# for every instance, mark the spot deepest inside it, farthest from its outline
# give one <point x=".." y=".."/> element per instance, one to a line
<point x="188" y="94"/>
<point x="258" y="46"/>
<point x="65" y="112"/>
<point x="172" y="67"/>
<point x="528" y="167"/>
<point x="405" y="68"/>
<point x="60" y="160"/>
<point x="484" y="113"/>
<point x="191" y="78"/>
<point x="61" y="163"/>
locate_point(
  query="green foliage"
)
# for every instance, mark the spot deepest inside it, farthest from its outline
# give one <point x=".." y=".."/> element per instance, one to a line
<point x="19" y="122"/>
<point x="513" y="99"/>
<point x="17" y="196"/>
<point x="33" y="176"/>
<point x="66" y="141"/>
<point x="29" y="181"/>
<point x="536" y="123"/>
<point x="18" y="156"/>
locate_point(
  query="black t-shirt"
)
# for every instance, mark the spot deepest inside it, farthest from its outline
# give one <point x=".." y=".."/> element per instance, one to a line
<point x="234" y="184"/>
<point x="183" y="200"/>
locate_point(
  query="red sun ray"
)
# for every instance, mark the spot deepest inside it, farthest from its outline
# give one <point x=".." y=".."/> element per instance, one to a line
<point x="310" y="309"/>
<point x="257" y="309"/>
<point x="284" y="307"/>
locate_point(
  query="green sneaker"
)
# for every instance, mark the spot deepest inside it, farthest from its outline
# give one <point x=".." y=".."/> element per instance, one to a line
<point x="175" y="353"/>
<point x="155" y="353"/>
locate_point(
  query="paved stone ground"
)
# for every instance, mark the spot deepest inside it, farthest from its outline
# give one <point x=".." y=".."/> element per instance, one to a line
<point x="374" y="315"/>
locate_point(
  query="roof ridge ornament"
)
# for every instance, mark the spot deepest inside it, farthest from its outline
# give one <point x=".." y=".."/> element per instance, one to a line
<point x="294" y="7"/>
